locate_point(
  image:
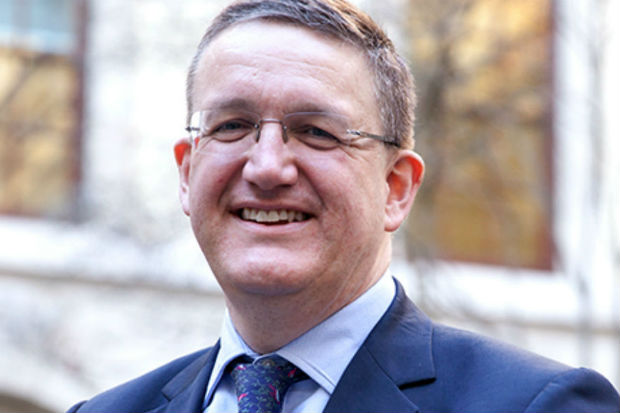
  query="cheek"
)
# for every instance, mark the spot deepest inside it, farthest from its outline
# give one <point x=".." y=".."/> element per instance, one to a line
<point x="208" y="181"/>
<point x="357" y="201"/>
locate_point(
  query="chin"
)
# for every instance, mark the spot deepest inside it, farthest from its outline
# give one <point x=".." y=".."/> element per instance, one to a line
<point x="269" y="279"/>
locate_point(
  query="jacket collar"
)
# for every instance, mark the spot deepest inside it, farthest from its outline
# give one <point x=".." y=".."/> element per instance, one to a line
<point x="186" y="391"/>
<point x="398" y="352"/>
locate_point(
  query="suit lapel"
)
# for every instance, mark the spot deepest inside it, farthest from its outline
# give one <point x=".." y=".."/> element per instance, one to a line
<point x="397" y="352"/>
<point x="186" y="391"/>
<point x="365" y="387"/>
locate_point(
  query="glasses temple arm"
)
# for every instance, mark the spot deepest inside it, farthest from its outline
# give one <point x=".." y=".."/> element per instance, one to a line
<point x="385" y="139"/>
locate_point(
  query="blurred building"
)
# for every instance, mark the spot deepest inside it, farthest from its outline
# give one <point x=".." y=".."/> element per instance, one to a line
<point x="101" y="279"/>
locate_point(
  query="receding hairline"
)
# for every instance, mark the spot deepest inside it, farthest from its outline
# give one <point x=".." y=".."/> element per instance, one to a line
<point x="204" y="46"/>
<point x="393" y="81"/>
<point x="326" y="45"/>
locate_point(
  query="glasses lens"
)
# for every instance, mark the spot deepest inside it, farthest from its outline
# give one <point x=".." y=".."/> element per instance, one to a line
<point x="233" y="132"/>
<point x="223" y="130"/>
<point x="318" y="130"/>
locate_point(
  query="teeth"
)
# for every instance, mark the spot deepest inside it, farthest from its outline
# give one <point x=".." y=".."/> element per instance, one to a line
<point x="271" y="216"/>
<point x="262" y="216"/>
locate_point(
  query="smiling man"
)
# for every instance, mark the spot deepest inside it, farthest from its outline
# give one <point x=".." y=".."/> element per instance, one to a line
<point x="298" y="167"/>
<point x="290" y="219"/>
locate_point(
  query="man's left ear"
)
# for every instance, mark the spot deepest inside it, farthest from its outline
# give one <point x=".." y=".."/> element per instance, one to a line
<point x="403" y="179"/>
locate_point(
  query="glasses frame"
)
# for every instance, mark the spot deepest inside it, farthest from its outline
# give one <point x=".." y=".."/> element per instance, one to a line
<point x="259" y="124"/>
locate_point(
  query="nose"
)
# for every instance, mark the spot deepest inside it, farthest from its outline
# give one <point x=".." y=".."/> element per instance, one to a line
<point x="270" y="162"/>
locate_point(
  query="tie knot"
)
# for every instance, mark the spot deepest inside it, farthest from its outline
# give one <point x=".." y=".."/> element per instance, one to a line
<point x="260" y="385"/>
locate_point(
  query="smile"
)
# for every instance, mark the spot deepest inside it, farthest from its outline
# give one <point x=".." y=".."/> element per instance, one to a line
<point x="274" y="216"/>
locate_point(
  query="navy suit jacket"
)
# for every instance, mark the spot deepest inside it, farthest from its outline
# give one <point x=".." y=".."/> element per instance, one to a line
<point x="407" y="364"/>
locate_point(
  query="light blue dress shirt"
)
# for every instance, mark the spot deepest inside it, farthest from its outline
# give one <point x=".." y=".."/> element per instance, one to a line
<point x="323" y="353"/>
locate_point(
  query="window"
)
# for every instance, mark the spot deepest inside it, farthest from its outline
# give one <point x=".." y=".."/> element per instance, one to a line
<point x="483" y="70"/>
<point x="41" y="51"/>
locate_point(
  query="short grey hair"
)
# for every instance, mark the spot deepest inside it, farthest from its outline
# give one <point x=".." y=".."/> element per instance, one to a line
<point x="393" y="81"/>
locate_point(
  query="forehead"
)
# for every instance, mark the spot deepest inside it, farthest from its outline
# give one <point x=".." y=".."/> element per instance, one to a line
<point x="273" y="63"/>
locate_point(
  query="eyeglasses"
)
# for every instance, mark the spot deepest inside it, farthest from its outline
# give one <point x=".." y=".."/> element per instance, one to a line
<point x="236" y="130"/>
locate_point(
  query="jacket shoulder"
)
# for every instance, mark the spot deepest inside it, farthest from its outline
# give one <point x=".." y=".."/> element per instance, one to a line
<point x="142" y="393"/>
<point x="497" y="376"/>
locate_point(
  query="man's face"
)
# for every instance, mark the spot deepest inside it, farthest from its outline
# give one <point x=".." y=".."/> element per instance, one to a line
<point x="336" y="244"/>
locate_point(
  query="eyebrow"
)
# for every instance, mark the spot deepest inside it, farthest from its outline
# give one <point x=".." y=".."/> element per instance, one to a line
<point x="233" y="103"/>
<point x="292" y="107"/>
<point x="313" y="107"/>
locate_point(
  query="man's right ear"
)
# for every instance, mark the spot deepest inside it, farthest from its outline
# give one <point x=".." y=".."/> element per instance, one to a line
<point x="182" y="155"/>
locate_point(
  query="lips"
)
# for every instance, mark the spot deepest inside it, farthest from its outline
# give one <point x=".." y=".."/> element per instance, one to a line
<point x="272" y="216"/>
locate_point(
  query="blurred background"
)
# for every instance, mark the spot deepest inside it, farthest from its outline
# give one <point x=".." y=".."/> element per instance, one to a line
<point x="516" y="232"/>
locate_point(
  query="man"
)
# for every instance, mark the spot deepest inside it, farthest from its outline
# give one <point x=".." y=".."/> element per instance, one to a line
<point x="298" y="168"/>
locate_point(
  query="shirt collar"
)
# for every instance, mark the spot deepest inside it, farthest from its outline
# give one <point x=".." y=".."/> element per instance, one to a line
<point x="313" y="351"/>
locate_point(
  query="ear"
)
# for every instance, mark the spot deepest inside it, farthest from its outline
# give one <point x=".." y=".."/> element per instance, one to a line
<point x="182" y="155"/>
<point x="403" y="179"/>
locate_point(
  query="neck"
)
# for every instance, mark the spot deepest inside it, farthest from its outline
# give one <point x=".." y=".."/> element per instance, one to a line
<point x="267" y="323"/>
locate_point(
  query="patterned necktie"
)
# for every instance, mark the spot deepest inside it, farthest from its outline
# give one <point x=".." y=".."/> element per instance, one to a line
<point x="261" y="385"/>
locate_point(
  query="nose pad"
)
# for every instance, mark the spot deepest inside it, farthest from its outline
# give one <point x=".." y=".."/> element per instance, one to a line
<point x="268" y="120"/>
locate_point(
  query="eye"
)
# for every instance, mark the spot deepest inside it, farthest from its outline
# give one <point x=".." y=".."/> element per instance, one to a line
<point x="230" y="126"/>
<point x="231" y="130"/>
<point x="320" y="133"/>
<point x="315" y="137"/>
